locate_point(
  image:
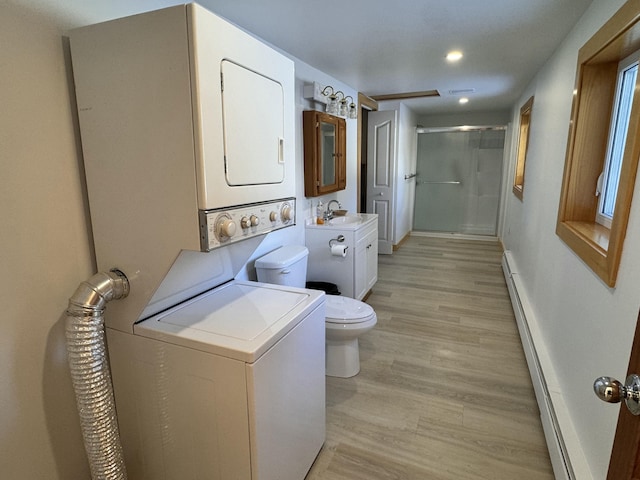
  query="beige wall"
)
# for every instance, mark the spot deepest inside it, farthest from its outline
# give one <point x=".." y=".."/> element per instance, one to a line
<point x="44" y="249"/>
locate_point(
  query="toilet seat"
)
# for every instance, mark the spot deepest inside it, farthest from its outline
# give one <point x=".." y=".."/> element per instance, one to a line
<point x="342" y="310"/>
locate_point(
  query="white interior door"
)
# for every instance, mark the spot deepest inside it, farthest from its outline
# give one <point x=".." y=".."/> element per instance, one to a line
<point x="381" y="166"/>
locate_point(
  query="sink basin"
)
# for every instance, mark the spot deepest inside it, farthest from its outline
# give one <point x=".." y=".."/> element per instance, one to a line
<point x="345" y="220"/>
<point x="353" y="222"/>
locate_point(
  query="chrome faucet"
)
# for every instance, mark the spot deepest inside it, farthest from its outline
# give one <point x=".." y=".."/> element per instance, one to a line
<point x="329" y="213"/>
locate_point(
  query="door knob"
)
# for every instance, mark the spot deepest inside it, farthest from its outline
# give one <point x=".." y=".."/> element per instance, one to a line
<point x="612" y="391"/>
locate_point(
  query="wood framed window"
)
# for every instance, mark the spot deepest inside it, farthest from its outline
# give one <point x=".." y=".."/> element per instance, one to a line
<point x="599" y="246"/>
<point x="523" y="144"/>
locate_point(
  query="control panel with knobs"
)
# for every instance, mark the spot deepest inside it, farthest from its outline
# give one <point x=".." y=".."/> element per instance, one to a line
<point x="221" y="227"/>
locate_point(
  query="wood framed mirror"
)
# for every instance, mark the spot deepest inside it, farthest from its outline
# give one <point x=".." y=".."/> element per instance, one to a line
<point x="325" y="168"/>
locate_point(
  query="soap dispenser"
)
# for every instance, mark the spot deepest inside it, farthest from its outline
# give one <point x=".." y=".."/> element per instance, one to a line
<point x="320" y="213"/>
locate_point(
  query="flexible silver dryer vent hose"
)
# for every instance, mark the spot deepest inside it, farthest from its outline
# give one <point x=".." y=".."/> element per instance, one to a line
<point x="90" y="372"/>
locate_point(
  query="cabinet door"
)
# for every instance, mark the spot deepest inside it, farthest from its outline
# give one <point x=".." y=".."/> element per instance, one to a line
<point x="324" y="153"/>
<point x="366" y="260"/>
<point x="360" y="268"/>
<point x="341" y="158"/>
<point x="372" y="259"/>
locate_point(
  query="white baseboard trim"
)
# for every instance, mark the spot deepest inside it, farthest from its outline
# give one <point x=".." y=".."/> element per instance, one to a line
<point x="567" y="456"/>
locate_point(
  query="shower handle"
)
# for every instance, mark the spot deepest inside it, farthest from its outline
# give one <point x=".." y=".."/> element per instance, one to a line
<point x="453" y="182"/>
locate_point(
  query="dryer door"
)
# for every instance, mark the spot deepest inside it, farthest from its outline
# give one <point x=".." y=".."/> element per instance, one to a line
<point x="253" y="122"/>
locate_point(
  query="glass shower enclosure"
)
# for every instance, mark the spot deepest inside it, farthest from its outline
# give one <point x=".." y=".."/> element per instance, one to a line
<point x="459" y="173"/>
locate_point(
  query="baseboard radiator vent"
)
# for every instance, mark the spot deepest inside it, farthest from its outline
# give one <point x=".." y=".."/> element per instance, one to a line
<point x="567" y="456"/>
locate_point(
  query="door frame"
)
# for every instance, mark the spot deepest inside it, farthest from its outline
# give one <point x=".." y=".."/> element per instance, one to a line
<point x="365" y="105"/>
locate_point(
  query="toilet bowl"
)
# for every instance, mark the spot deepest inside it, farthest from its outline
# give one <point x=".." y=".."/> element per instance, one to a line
<point x="345" y="319"/>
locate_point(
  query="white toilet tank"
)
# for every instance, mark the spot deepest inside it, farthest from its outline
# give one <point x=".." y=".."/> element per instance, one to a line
<point x="285" y="266"/>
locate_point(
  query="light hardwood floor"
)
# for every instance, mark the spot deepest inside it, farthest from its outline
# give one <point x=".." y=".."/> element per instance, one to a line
<point x="443" y="391"/>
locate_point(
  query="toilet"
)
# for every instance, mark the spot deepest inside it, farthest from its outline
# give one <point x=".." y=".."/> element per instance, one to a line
<point x="346" y="318"/>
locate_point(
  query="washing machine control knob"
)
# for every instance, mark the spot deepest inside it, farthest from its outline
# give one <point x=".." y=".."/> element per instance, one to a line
<point x="225" y="228"/>
<point x="255" y="221"/>
<point x="273" y="216"/>
<point x="245" y="222"/>
<point x="286" y="213"/>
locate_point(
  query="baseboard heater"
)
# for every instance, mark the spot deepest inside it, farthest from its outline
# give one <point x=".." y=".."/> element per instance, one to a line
<point x="567" y="456"/>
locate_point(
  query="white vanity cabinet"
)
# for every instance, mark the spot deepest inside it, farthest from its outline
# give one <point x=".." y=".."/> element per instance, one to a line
<point x="355" y="273"/>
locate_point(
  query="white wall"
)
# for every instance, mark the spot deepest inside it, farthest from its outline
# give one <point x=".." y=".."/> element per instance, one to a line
<point x="588" y="327"/>
<point x="46" y="241"/>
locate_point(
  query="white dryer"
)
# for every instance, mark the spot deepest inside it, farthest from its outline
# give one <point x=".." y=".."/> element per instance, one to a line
<point x="227" y="386"/>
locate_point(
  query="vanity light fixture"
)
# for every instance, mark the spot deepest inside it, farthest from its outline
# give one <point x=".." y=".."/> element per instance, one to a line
<point x="332" y="99"/>
<point x="339" y="107"/>
<point x="348" y="111"/>
<point x="337" y="103"/>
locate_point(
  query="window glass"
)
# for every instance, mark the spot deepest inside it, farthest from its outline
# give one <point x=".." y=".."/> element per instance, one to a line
<point x="617" y="138"/>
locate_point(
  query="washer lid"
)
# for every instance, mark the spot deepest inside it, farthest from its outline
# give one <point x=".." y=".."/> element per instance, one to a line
<point x="237" y="320"/>
<point x="346" y="310"/>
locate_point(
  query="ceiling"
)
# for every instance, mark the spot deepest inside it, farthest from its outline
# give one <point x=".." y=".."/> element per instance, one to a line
<point x="382" y="47"/>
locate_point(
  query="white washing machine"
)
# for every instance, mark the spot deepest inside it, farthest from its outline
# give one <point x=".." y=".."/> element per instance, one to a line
<point x="228" y="386"/>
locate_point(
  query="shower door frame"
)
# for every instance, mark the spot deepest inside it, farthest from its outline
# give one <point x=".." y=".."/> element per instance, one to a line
<point x="501" y="199"/>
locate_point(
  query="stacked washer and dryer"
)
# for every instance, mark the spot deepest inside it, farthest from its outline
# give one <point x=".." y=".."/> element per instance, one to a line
<point x="187" y="128"/>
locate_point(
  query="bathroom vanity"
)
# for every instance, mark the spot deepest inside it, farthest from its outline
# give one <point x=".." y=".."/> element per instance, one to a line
<point x="356" y="272"/>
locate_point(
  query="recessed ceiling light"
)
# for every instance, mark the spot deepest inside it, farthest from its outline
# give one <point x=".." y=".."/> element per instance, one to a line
<point x="454" y="56"/>
<point x="463" y="100"/>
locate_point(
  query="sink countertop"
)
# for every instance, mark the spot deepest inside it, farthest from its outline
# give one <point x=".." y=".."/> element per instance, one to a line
<point x="339" y="225"/>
